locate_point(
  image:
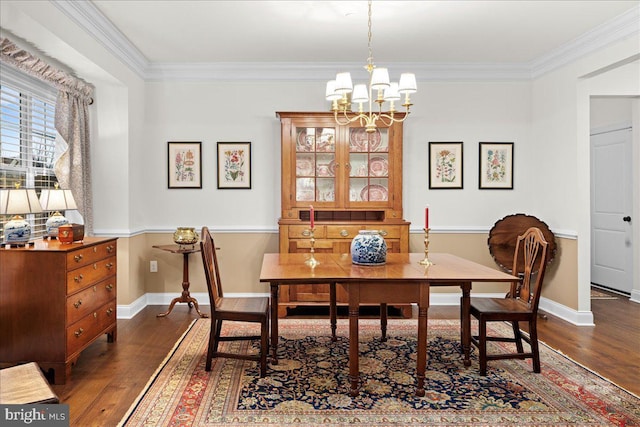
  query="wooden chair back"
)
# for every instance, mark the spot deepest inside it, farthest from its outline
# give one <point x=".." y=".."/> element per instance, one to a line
<point x="211" y="271"/>
<point x="529" y="263"/>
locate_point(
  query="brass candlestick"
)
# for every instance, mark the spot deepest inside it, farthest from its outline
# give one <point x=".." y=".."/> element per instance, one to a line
<point x="312" y="261"/>
<point x="426" y="261"/>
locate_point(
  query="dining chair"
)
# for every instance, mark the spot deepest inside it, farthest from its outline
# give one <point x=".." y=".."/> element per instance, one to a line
<point x="519" y="305"/>
<point x="255" y="309"/>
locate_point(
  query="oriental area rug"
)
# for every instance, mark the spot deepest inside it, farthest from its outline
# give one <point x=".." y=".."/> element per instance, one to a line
<point x="310" y="387"/>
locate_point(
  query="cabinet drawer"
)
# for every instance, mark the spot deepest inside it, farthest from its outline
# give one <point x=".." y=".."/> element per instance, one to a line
<point x="86" y="329"/>
<point x="343" y="231"/>
<point x="88" y="300"/>
<point x="302" y="232"/>
<point x="85" y="276"/>
<point x="90" y="255"/>
<point x="351" y="231"/>
<point x="386" y="231"/>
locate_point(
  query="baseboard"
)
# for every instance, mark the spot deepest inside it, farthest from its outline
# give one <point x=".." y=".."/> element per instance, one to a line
<point x="578" y="318"/>
<point x="635" y="296"/>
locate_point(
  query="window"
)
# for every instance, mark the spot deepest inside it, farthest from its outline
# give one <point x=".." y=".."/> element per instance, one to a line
<point x="27" y="137"/>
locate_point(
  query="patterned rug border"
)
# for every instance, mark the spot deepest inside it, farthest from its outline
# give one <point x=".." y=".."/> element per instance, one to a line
<point x="342" y="323"/>
<point x="156" y="374"/>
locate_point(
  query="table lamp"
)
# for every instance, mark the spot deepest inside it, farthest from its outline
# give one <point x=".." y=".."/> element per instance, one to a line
<point x="56" y="200"/>
<point x="15" y="202"/>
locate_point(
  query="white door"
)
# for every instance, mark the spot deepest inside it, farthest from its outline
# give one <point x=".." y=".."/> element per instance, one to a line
<point x="611" y="196"/>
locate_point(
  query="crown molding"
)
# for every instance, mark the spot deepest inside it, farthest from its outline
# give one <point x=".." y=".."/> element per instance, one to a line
<point x="619" y="28"/>
<point x="88" y="17"/>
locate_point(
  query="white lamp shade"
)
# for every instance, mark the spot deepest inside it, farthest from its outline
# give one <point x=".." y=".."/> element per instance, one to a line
<point x="19" y="201"/>
<point x="391" y="93"/>
<point x="380" y="78"/>
<point x="331" y="93"/>
<point x="343" y="83"/>
<point x="57" y="200"/>
<point x="360" y="94"/>
<point x="407" y="83"/>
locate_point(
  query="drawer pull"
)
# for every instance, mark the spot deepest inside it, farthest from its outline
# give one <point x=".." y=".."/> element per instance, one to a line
<point x="110" y="248"/>
<point x="78" y="258"/>
<point x="109" y="287"/>
<point x="78" y="278"/>
<point x="344" y="233"/>
<point x="77" y="303"/>
<point x="306" y="233"/>
<point x="95" y="249"/>
<point x="109" y="265"/>
<point x="109" y="311"/>
<point x="78" y="332"/>
<point x="383" y="233"/>
<point x="95" y="315"/>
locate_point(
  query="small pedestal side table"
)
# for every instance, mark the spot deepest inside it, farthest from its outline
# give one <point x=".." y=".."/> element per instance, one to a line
<point x="186" y="296"/>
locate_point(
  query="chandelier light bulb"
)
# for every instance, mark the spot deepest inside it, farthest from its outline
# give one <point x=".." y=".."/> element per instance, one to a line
<point x="380" y="78"/>
<point x="360" y="94"/>
<point x="391" y="93"/>
<point x="331" y="93"/>
<point x="343" y="83"/>
<point x="407" y="83"/>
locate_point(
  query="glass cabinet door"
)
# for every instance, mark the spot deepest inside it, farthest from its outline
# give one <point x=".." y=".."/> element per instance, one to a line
<point x="368" y="165"/>
<point x="315" y="164"/>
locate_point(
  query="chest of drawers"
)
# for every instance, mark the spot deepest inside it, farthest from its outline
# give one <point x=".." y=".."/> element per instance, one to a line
<point x="56" y="299"/>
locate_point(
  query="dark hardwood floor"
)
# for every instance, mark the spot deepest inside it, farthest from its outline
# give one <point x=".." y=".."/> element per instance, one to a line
<point x="108" y="377"/>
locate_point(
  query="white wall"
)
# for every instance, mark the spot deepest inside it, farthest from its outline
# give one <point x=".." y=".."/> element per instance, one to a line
<point x="561" y="125"/>
<point x="205" y="111"/>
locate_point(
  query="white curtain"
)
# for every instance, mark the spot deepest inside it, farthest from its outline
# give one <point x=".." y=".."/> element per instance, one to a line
<point x="72" y="162"/>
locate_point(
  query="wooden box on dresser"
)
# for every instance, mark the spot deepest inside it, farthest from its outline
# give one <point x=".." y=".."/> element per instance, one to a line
<point x="56" y="299"/>
<point x="353" y="180"/>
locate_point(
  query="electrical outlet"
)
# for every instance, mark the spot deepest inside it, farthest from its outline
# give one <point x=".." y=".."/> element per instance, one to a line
<point x="153" y="266"/>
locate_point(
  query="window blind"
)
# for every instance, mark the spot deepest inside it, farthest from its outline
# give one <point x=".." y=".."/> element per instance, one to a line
<point x="27" y="136"/>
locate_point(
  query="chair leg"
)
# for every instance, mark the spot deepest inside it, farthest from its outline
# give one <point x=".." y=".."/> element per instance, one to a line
<point x="533" y="337"/>
<point x="211" y="344"/>
<point x="264" y="346"/>
<point x="383" y="321"/>
<point x="482" y="345"/>
<point x="218" y="329"/>
<point x="517" y="335"/>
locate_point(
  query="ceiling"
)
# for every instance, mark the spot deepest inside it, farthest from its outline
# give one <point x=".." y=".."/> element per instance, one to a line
<point x="434" y="32"/>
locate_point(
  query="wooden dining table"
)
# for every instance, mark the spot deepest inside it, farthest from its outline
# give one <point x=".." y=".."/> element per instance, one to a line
<point x="402" y="279"/>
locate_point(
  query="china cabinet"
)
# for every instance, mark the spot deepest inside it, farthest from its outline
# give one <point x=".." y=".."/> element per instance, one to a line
<point x="353" y="181"/>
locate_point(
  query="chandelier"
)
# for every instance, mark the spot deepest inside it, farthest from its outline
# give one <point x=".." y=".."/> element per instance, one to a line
<point x="341" y="92"/>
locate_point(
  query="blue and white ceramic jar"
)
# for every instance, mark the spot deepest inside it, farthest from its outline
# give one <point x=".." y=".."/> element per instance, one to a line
<point x="17" y="231"/>
<point x="54" y="222"/>
<point x="368" y="248"/>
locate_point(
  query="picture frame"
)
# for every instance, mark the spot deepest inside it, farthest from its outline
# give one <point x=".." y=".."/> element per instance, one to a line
<point x="446" y="165"/>
<point x="184" y="167"/>
<point x="234" y="165"/>
<point x="495" y="166"/>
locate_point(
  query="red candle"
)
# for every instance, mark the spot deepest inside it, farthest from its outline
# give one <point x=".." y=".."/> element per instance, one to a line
<point x="311" y="216"/>
<point x="426" y="217"/>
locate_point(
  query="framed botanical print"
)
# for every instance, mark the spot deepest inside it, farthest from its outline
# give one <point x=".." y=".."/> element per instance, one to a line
<point x="234" y="165"/>
<point x="445" y="165"/>
<point x="496" y="165"/>
<point x="184" y="165"/>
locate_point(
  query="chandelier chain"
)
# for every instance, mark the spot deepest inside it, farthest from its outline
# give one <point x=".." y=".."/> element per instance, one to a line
<point x="369" y="66"/>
